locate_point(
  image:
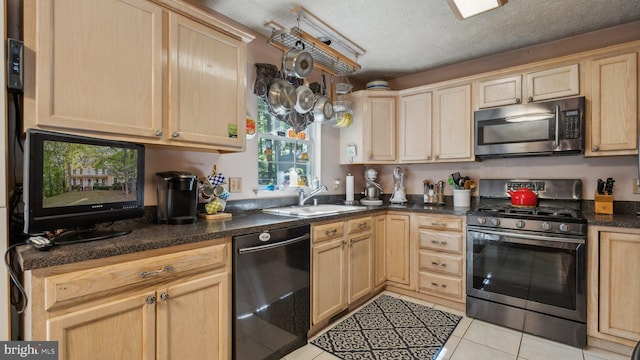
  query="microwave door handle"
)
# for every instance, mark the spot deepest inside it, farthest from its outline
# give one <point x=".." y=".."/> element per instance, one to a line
<point x="557" y="125"/>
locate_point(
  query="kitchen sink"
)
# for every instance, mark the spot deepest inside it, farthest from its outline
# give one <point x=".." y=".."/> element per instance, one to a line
<point x="314" y="210"/>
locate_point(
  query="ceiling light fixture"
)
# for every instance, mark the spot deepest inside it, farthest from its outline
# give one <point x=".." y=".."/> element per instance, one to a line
<point x="467" y="8"/>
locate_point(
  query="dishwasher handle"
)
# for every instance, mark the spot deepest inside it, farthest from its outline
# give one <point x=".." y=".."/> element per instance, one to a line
<point x="274" y="245"/>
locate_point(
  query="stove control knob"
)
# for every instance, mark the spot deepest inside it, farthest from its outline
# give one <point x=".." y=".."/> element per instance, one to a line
<point x="520" y="224"/>
<point x="481" y="220"/>
<point x="564" y="227"/>
<point x="546" y="226"/>
<point x="495" y="221"/>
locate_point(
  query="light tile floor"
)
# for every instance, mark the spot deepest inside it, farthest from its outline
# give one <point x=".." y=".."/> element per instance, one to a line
<point x="478" y="340"/>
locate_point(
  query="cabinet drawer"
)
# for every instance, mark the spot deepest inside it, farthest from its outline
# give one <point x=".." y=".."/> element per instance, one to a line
<point x="440" y="284"/>
<point x="327" y="231"/>
<point x="359" y="224"/>
<point x="76" y="285"/>
<point x="438" y="262"/>
<point x="440" y="241"/>
<point x="429" y="222"/>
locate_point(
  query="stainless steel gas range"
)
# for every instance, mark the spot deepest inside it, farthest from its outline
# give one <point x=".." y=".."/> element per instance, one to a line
<point x="526" y="267"/>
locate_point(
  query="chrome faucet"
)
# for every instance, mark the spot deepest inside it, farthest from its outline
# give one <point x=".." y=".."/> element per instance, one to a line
<point x="302" y="196"/>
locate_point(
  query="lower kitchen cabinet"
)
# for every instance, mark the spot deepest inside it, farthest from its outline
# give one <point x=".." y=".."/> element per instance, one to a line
<point x="342" y="265"/>
<point x="380" y="261"/>
<point x="441" y="252"/>
<point x="613" y="285"/>
<point x="397" y="249"/>
<point x="171" y="306"/>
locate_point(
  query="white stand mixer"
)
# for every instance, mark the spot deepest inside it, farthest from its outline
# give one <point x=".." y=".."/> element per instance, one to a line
<point x="373" y="190"/>
<point x="399" y="195"/>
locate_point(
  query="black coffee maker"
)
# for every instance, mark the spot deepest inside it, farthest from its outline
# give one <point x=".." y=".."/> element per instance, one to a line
<point x="177" y="197"/>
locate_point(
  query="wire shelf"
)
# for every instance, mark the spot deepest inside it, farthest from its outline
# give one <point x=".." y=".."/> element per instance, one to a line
<point x="324" y="57"/>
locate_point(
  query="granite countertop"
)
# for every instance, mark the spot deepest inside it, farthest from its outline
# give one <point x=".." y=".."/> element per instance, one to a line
<point x="145" y="237"/>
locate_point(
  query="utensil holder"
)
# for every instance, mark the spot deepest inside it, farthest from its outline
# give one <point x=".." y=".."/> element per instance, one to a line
<point x="603" y="204"/>
<point x="461" y="197"/>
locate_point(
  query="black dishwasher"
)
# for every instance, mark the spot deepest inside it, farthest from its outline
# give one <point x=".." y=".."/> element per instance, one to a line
<point x="271" y="293"/>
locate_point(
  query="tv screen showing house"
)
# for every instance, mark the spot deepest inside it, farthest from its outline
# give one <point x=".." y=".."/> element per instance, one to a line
<point x="83" y="174"/>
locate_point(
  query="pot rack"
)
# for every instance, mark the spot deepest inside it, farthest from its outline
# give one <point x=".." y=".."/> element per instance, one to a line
<point x="325" y="58"/>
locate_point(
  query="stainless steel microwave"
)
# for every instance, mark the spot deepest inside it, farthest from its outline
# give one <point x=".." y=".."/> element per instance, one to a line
<point x="543" y="128"/>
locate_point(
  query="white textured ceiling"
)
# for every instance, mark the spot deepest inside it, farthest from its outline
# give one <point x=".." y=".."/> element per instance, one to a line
<point x="403" y="37"/>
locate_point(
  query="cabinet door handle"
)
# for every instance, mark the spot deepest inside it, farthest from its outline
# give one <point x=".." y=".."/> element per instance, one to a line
<point x="441" y="224"/>
<point x="438" y="264"/>
<point x="362" y="225"/>
<point x="175" y="134"/>
<point x="595" y="148"/>
<point x="443" y="242"/>
<point x="331" y="232"/>
<point x="444" y="286"/>
<point x="530" y="99"/>
<point x="164" y="296"/>
<point x="159" y="133"/>
<point x="344" y="243"/>
<point x="151" y="299"/>
<point x="518" y="100"/>
<point x="145" y="274"/>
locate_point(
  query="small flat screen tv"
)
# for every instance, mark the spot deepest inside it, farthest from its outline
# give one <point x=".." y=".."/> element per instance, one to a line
<point x="77" y="183"/>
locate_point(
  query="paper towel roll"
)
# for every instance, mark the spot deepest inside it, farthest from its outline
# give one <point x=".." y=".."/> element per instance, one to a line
<point x="349" y="187"/>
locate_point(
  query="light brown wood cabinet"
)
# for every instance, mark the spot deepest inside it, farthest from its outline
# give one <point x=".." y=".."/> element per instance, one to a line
<point x="373" y="132"/>
<point x="436" y="125"/>
<point x="441" y="256"/>
<point x="612" y="87"/>
<point x="380" y="263"/>
<point x="415" y="128"/>
<point x="342" y="265"/>
<point x="133" y="83"/>
<point x="540" y="85"/>
<point x="453" y="124"/>
<point x="613" y="285"/>
<point x="137" y="309"/>
<point x="397" y="249"/>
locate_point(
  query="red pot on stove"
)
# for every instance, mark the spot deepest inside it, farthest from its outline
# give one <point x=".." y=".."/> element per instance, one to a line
<point x="523" y="197"/>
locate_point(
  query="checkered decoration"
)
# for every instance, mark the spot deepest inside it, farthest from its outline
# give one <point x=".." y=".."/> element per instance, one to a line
<point x="217" y="179"/>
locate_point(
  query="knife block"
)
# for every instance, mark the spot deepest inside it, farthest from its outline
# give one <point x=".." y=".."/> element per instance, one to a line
<point x="603" y="204"/>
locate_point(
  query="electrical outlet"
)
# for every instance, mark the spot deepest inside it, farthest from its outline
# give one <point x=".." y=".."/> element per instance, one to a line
<point x="636" y="186"/>
<point x="235" y="184"/>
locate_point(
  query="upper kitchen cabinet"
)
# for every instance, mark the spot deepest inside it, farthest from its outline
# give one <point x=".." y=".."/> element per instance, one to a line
<point x="539" y="85"/>
<point x="612" y="87"/>
<point x="125" y="70"/>
<point x="415" y="127"/>
<point x="371" y="139"/>
<point x="453" y="124"/>
<point x="207" y="85"/>
<point x="435" y="124"/>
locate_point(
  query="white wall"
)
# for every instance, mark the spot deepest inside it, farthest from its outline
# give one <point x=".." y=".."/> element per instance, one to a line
<point x="621" y="169"/>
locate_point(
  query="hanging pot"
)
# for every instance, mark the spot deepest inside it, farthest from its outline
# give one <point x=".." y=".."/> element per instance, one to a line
<point x="323" y="108"/>
<point x="298" y="63"/>
<point x="523" y="197"/>
<point x="281" y="96"/>
<point x="304" y="99"/>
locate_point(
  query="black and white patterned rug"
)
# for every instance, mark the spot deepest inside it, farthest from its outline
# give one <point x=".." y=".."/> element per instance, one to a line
<point x="389" y="328"/>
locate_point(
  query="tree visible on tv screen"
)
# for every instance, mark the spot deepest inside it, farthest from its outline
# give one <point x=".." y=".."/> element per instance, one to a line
<point x="81" y="174"/>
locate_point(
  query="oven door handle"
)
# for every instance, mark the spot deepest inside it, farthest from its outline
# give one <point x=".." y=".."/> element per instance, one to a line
<point x="531" y="236"/>
<point x="274" y="245"/>
<point x="557" y="125"/>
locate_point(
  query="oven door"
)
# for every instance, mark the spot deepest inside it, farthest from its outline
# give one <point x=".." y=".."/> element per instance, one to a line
<point x="536" y="272"/>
